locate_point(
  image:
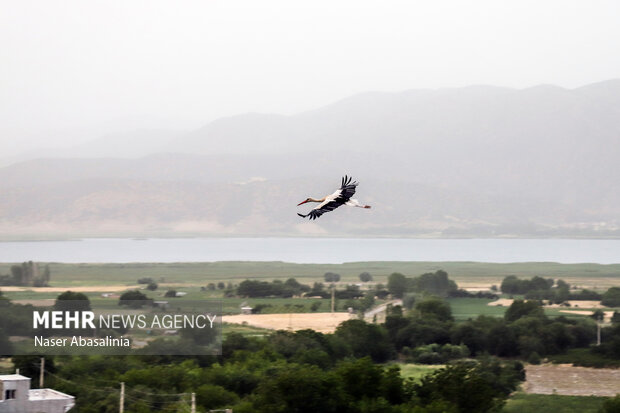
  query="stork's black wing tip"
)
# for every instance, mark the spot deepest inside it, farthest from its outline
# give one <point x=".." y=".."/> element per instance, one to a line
<point x="346" y="180"/>
<point x="303" y="216"/>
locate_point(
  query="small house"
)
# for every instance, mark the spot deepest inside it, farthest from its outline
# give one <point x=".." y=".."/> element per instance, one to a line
<point x="16" y="396"/>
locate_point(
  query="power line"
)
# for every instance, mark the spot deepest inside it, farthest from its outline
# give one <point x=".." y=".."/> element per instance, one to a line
<point x="127" y="395"/>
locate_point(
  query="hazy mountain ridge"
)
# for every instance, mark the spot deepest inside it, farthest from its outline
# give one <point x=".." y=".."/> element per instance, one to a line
<point x="474" y="161"/>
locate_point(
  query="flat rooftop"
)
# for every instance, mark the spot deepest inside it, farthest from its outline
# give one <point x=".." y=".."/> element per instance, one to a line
<point x="47" y="394"/>
<point x="12" y="377"/>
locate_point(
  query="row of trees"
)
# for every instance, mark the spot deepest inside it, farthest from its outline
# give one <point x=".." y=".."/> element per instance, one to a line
<point x="538" y="288"/>
<point x="436" y="283"/>
<point x="524" y="331"/>
<point x="27" y="274"/>
<point x="513" y="285"/>
<point x="302" y="371"/>
<point x="276" y="288"/>
<point x="291" y="287"/>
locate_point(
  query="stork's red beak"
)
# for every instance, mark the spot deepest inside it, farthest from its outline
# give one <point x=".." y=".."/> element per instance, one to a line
<point x="303" y="202"/>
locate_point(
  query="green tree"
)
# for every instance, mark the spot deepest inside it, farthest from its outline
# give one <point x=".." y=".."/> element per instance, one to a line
<point x="134" y="299"/>
<point x="152" y="286"/>
<point x="473" y="387"/>
<point x="145" y="280"/>
<point x="397" y="284"/>
<point x="360" y="378"/>
<point x="301" y="389"/>
<point x="368" y="301"/>
<point x="502" y="340"/>
<point x="611" y="405"/>
<point x="72" y="301"/>
<point x="212" y="396"/>
<point x="365" y="277"/>
<point x="436" y="283"/>
<point x="6" y="348"/>
<point x="331" y="277"/>
<point x="598" y="315"/>
<point x="17" y="272"/>
<point x="471" y="335"/>
<point x="408" y="301"/>
<point x="363" y="339"/>
<point x="520" y="308"/>
<point x="611" y="298"/>
<point x="436" y="308"/>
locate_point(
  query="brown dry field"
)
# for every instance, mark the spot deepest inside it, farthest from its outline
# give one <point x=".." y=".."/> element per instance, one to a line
<point x="501" y="302"/>
<point x="506" y="302"/>
<point x="92" y="289"/>
<point x="565" y="379"/>
<point x="321" y="322"/>
<point x="87" y="289"/>
<point x="44" y="302"/>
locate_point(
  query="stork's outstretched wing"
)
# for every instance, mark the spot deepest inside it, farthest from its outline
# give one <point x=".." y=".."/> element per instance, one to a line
<point x="333" y="201"/>
<point x="347" y="188"/>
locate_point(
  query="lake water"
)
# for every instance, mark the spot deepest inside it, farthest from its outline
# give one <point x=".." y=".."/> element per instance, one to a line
<point x="311" y="250"/>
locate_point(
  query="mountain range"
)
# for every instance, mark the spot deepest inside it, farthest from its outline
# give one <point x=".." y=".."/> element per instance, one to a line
<point x="478" y="161"/>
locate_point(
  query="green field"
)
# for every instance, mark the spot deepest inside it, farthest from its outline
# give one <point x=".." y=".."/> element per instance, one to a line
<point x="417" y="371"/>
<point x="465" y="308"/>
<point x="190" y="277"/>
<point x="471" y="273"/>
<point x="551" y="403"/>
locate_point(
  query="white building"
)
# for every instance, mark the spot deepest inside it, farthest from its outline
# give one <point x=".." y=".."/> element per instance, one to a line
<point x="17" y="397"/>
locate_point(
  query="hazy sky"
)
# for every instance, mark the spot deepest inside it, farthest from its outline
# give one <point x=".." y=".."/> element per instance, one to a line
<point x="74" y="69"/>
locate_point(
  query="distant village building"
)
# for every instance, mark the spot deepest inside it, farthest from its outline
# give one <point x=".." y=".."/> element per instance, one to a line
<point x="17" y="397"/>
<point x="246" y="310"/>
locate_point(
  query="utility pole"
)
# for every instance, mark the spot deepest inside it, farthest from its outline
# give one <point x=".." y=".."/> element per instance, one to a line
<point x="193" y="402"/>
<point x="121" y="407"/>
<point x="41" y="373"/>
<point x="598" y="333"/>
<point x="333" y="296"/>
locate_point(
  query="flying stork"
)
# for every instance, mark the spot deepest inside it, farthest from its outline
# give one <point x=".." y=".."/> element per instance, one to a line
<point x="330" y="202"/>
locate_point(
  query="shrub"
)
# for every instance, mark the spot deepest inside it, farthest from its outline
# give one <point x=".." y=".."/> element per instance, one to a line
<point x="145" y="280"/>
<point x="611" y="405"/>
<point x="365" y="277"/>
<point x="534" y="358"/>
<point x="611" y="298"/>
